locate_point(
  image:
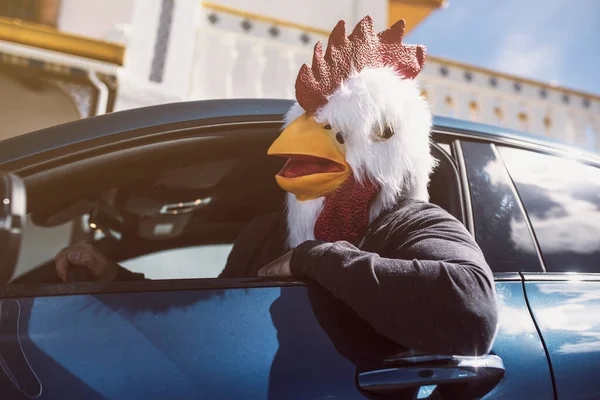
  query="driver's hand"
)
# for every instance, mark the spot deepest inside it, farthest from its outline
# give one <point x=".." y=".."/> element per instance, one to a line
<point x="86" y="255"/>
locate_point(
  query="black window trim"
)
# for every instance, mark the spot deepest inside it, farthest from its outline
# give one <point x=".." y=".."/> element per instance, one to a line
<point x="526" y="144"/>
<point x="172" y="285"/>
<point x="464" y="187"/>
<point x="164" y="285"/>
<point x="515" y="192"/>
<point x="453" y="160"/>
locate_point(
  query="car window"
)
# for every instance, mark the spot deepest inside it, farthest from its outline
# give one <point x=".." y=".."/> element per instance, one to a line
<point x="42" y="243"/>
<point x="178" y="224"/>
<point x="500" y="224"/>
<point x="562" y="200"/>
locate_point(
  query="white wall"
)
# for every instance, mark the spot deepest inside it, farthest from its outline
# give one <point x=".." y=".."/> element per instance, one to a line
<point x="95" y="19"/>
<point x="205" y="60"/>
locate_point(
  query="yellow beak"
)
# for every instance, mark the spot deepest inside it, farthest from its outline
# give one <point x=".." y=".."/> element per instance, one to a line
<point x="315" y="165"/>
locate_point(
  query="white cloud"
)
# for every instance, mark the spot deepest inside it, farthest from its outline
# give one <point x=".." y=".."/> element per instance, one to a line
<point x="521" y="55"/>
<point x="577" y="312"/>
<point x="589" y="342"/>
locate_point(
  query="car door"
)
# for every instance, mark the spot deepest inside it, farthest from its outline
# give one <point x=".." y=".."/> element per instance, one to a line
<point x="562" y="199"/>
<point x="206" y="339"/>
<point x="498" y="220"/>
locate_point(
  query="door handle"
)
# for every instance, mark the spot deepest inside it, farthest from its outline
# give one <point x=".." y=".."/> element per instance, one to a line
<point x="451" y="376"/>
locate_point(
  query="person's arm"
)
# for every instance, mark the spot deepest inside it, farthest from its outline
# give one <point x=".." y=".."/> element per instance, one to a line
<point x="435" y="293"/>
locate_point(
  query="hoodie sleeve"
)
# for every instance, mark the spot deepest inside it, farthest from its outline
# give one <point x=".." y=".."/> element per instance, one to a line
<point x="432" y="292"/>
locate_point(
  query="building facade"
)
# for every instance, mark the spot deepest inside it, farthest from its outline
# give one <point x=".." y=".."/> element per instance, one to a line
<point x="180" y="50"/>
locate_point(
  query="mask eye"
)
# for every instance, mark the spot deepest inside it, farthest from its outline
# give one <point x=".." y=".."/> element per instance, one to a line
<point x="387" y="133"/>
<point x="340" y="138"/>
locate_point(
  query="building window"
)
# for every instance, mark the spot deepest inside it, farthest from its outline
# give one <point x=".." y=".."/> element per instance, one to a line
<point x="586" y="103"/>
<point x="517" y="86"/>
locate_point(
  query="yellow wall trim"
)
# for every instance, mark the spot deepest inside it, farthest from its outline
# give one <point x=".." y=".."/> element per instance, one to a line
<point x="35" y="35"/>
<point x="513" y="78"/>
<point x="264" y="18"/>
<point x="423" y="3"/>
<point x="412" y="11"/>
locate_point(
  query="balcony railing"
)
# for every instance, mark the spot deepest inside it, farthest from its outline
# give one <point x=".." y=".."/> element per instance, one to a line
<point x="481" y="95"/>
<point x="242" y="55"/>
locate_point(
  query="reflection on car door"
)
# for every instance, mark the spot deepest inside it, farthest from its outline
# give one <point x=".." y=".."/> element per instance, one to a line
<point x="562" y="201"/>
<point x="567" y="310"/>
<point x="262" y="342"/>
<point x="254" y="343"/>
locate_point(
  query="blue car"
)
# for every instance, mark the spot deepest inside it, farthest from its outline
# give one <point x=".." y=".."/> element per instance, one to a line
<point x="165" y="190"/>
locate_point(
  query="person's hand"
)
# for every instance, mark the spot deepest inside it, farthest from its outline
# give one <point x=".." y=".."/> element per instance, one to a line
<point x="279" y="267"/>
<point x="85" y="255"/>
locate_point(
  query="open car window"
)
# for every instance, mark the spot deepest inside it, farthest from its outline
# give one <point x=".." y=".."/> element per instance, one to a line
<point x="188" y="262"/>
<point x="177" y="224"/>
<point x="180" y="222"/>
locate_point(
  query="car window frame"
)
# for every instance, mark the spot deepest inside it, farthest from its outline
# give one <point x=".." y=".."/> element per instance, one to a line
<point x="49" y="289"/>
<point x="442" y="141"/>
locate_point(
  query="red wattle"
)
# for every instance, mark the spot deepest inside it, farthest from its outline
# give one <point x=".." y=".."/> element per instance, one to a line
<point x="345" y="214"/>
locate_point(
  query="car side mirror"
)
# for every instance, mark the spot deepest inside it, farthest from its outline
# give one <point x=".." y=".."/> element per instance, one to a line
<point x="13" y="212"/>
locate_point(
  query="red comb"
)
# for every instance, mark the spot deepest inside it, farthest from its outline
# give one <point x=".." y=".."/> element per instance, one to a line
<point x="363" y="48"/>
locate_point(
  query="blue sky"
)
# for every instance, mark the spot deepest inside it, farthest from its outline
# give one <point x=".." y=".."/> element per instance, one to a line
<point x="548" y="40"/>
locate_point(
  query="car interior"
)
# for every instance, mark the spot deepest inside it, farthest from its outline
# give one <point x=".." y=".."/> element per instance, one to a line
<point x="169" y="209"/>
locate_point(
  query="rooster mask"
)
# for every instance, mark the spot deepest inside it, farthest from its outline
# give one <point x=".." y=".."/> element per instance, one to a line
<point x="357" y="138"/>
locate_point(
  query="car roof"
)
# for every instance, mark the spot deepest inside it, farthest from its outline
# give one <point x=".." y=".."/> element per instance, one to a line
<point x="108" y="125"/>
